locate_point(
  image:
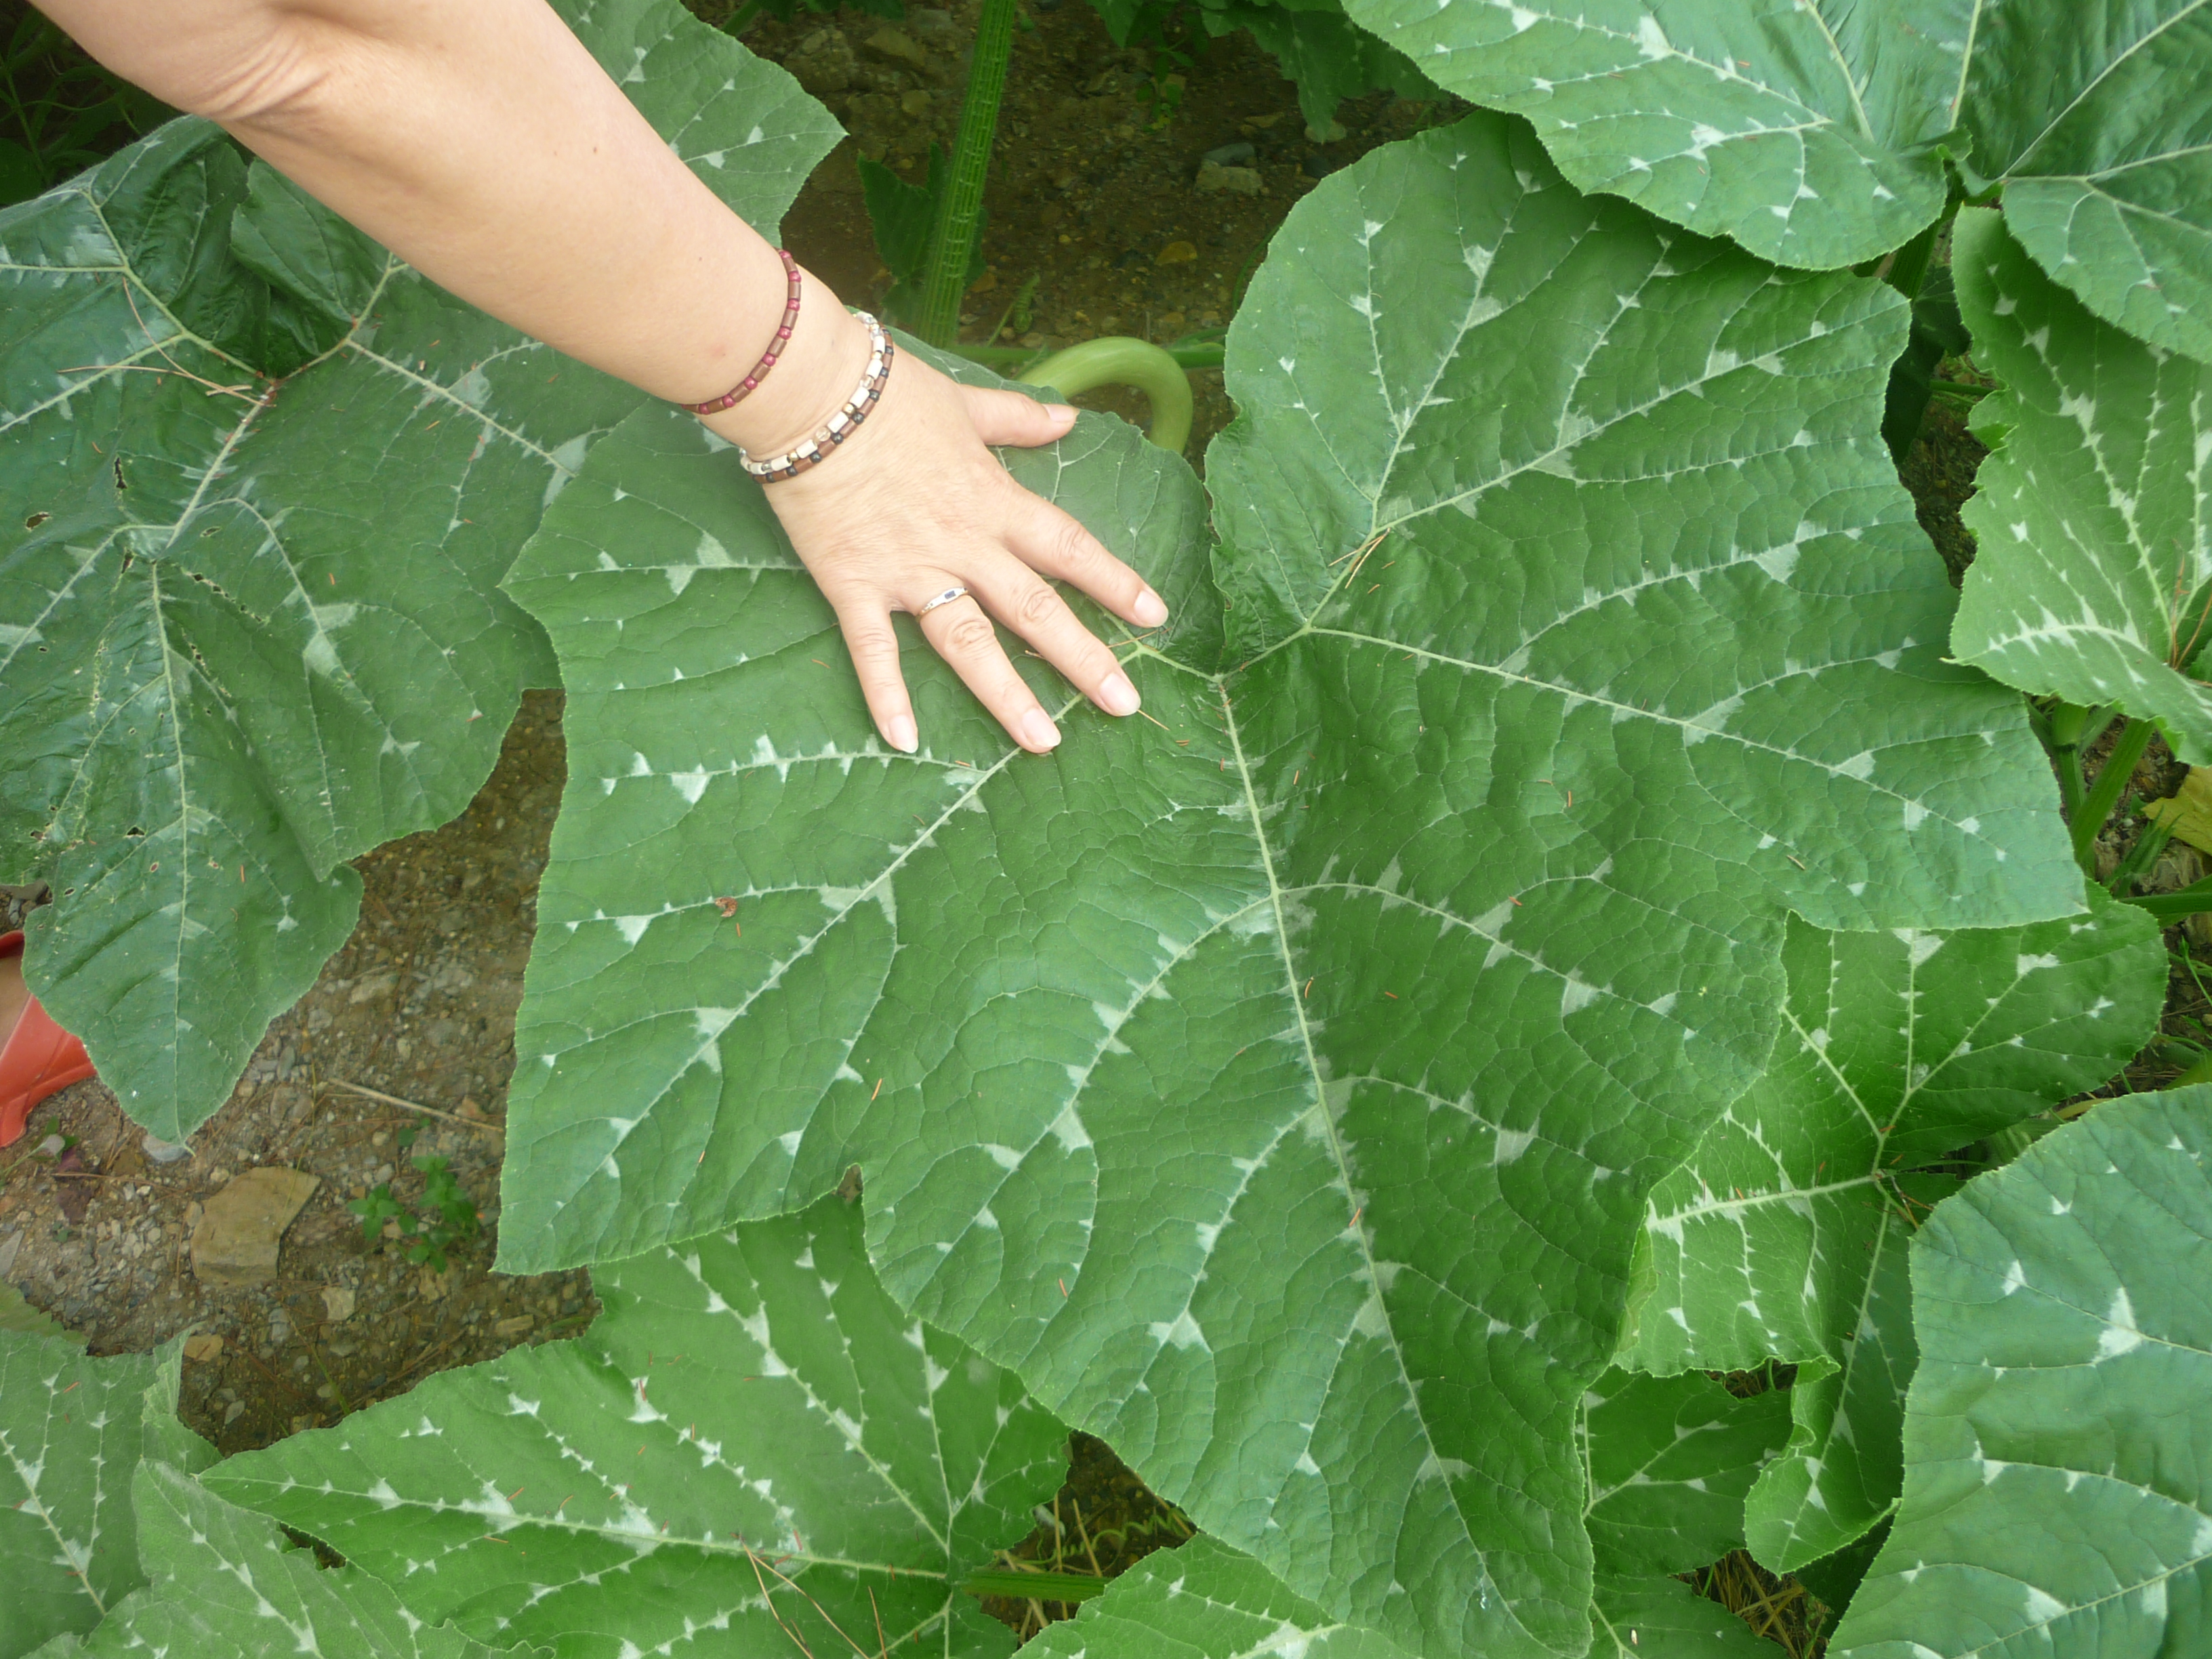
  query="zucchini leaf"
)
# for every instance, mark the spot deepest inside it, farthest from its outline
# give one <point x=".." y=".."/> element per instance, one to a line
<point x="2092" y="513"/>
<point x="1817" y="133"/>
<point x="752" y="1440"/>
<point x="1786" y="1232"/>
<point x="2055" y="1491"/>
<point x="1276" y="1084"/>
<point x="264" y="481"/>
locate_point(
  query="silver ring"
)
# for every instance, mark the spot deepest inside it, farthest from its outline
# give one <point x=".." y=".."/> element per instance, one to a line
<point x="945" y="598"/>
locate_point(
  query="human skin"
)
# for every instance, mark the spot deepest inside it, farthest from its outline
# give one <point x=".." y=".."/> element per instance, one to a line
<point x="482" y="143"/>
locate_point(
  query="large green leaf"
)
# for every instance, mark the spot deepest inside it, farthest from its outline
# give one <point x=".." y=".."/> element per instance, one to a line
<point x="2056" y="1490"/>
<point x="1276" y="1084"/>
<point x="1670" y="1459"/>
<point x="1785" y="1233"/>
<point x="1205" y="1601"/>
<point x="2096" y="117"/>
<point x="751" y="1432"/>
<point x="1665" y="1619"/>
<point x="226" y="1585"/>
<point x="72" y="1431"/>
<point x="1815" y="132"/>
<point x="2093" y="515"/>
<point x="247" y="634"/>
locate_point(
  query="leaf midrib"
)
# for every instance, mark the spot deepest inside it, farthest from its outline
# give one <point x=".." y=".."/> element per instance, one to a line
<point x="1337" y="1152"/>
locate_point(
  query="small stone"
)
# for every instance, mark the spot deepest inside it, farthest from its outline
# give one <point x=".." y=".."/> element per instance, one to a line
<point x="51" y="1146"/>
<point x="374" y="985"/>
<point x="339" y="1348"/>
<point x="390" y="1229"/>
<point x="898" y="46"/>
<point x="1235" y="181"/>
<point x="237" y="1237"/>
<point x="1175" y="254"/>
<point x="518" y="1326"/>
<point x="434" y="1286"/>
<point x="280" y="1331"/>
<point x="383" y="1173"/>
<point x="328" y="1391"/>
<point x="915" y="103"/>
<point x="204" y="1347"/>
<point x="161" y="1150"/>
<point x="338" y="1304"/>
<point x="1330" y="134"/>
<point x="1239" y="153"/>
<point x="378" y="1138"/>
<point x="469" y="1109"/>
<point x="303" y="1422"/>
<point x="233" y="1411"/>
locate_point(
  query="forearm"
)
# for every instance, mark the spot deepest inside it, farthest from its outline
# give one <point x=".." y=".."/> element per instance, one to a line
<point x="483" y="144"/>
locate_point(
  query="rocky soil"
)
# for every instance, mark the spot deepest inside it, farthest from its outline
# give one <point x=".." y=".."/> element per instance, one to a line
<point x="420" y="1005"/>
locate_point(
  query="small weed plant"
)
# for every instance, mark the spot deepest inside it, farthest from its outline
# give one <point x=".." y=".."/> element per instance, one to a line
<point x="445" y="1217"/>
<point x="1592" y="910"/>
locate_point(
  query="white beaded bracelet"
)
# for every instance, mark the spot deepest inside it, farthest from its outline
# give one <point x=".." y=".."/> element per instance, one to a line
<point x="813" y="451"/>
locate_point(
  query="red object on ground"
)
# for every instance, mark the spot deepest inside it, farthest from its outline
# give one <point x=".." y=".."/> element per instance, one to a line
<point x="36" y="1058"/>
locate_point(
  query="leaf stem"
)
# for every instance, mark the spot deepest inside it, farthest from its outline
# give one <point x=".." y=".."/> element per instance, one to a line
<point x="1119" y="360"/>
<point x="2104" y="795"/>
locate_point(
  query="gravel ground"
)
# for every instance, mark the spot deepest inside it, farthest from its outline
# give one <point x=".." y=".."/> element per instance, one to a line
<point x="419" y="1005"/>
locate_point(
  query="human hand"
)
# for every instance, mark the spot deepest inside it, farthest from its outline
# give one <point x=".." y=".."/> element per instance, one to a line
<point x="914" y="503"/>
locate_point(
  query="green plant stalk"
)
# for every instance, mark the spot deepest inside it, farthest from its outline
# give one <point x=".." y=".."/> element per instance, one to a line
<point x="2139" y="861"/>
<point x="1907" y="268"/>
<point x="2105" y="794"/>
<point x="1118" y="361"/>
<point x="1035" y="1586"/>
<point x="945" y="276"/>
<point x="2067" y="729"/>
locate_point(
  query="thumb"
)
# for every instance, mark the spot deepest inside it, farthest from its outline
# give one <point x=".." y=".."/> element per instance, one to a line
<point x="1009" y="417"/>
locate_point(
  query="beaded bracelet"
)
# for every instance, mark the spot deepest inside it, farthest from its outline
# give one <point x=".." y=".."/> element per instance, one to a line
<point x="839" y="427"/>
<point x="737" y="393"/>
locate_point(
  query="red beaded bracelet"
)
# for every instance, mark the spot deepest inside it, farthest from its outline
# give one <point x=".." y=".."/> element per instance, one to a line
<point x="737" y="393"/>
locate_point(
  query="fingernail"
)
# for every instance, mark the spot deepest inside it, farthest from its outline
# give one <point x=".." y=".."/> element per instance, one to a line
<point x="903" y="734"/>
<point x="1037" y="730"/>
<point x="1116" y="696"/>
<point x="1152" y="610"/>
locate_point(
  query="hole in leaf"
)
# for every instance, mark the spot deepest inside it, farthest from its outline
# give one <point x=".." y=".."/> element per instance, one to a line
<point x="36" y="519"/>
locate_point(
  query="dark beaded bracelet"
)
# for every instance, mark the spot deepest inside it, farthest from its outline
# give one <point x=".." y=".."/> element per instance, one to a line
<point x="737" y="393"/>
